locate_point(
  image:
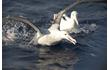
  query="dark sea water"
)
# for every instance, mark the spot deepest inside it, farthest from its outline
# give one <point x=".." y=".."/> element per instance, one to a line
<point x="88" y="54"/>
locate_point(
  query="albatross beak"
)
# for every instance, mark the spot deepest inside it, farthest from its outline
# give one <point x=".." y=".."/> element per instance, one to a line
<point x="72" y="40"/>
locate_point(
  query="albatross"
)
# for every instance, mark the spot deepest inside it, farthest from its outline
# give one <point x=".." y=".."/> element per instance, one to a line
<point x="73" y="25"/>
<point x="53" y="35"/>
<point x="69" y="24"/>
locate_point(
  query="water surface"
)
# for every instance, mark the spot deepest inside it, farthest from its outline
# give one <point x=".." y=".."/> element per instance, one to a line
<point x="88" y="54"/>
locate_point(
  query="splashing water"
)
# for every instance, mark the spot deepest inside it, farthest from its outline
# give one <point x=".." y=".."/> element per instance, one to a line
<point x="16" y="31"/>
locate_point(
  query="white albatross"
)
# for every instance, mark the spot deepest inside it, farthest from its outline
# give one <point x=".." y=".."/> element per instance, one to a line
<point x="69" y="24"/>
<point x="53" y="36"/>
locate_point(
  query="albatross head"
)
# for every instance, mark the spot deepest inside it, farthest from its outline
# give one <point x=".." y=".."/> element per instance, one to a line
<point x="74" y="17"/>
<point x="74" y="13"/>
<point x="65" y="35"/>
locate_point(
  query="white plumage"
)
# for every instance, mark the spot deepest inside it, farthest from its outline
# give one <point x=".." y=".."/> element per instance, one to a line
<point x="53" y="37"/>
<point x="69" y="24"/>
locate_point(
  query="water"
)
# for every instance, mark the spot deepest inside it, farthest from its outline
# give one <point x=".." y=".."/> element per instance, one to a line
<point x="88" y="54"/>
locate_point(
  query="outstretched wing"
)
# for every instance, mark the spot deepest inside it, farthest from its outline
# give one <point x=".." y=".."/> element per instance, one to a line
<point x="25" y="21"/>
<point x="18" y="30"/>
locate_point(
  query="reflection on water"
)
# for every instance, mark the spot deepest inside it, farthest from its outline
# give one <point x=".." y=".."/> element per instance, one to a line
<point x="41" y="58"/>
<point x="88" y="54"/>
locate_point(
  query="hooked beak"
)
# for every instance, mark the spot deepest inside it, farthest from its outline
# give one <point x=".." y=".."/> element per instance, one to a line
<point x="72" y="40"/>
<point x="76" y="20"/>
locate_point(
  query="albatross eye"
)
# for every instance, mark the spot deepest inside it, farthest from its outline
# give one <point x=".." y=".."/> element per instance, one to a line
<point x="65" y="34"/>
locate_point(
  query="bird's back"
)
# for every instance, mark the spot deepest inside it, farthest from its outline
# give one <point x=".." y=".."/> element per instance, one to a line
<point x="48" y="40"/>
